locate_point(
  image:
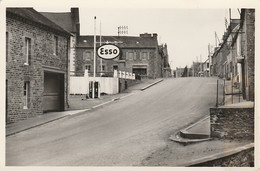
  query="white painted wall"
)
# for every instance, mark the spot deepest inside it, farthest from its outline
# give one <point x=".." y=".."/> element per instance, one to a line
<point x="80" y="85"/>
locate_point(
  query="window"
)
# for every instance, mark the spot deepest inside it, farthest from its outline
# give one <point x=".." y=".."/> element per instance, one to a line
<point x="28" y="50"/>
<point x="55" y="50"/>
<point x="144" y="55"/>
<point x="7" y="46"/>
<point x="130" y="55"/>
<point x="103" y="67"/>
<point x="86" y="55"/>
<point x="26" y="94"/>
<point x="88" y="67"/>
<point x="115" y="67"/>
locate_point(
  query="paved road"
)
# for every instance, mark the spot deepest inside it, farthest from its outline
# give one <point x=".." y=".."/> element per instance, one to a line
<point x="122" y="133"/>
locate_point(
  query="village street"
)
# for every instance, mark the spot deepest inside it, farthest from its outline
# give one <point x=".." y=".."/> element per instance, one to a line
<point x="122" y="133"/>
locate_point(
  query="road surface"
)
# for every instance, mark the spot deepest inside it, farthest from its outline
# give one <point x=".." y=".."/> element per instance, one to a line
<point x="122" y="133"/>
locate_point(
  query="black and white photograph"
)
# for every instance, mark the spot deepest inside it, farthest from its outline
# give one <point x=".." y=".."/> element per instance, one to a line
<point x="129" y="84"/>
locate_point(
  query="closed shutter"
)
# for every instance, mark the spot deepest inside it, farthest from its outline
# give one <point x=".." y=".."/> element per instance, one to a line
<point x="134" y="55"/>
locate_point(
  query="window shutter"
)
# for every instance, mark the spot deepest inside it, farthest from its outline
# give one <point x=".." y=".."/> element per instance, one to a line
<point x="134" y="55"/>
<point x="126" y="57"/>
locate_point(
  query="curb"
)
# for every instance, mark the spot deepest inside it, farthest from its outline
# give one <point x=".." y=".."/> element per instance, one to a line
<point x="150" y="85"/>
<point x="34" y="126"/>
<point x="61" y="117"/>
<point x="185" y="137"/>
<point x="185" y="141"/>
<point x="81" y="112"/>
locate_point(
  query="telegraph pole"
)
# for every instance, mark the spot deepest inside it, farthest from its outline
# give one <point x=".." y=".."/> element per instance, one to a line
<point x="209" y="60"/>
<point x="100" y="43"/>
<point x="94" y="73"/>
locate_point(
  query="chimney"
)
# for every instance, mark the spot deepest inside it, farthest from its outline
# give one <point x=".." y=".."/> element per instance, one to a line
<point x="75" y="19"/>
<point x="75" y="14"/>
<point x="155" y="35"/>
<point x="145" y="35"/>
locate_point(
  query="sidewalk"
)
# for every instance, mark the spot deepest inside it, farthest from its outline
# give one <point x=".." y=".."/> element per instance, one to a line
<point x="200" y="130"/>
<point x="77" y="104"/>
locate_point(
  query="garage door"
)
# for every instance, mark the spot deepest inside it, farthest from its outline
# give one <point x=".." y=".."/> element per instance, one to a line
<point x="53" y="96"/>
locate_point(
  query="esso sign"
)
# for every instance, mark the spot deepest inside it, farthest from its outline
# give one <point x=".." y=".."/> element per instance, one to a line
<point x="108" y="51"/>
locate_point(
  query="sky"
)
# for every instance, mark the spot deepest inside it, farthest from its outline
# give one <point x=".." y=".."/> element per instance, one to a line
<point x="186" y="31"/>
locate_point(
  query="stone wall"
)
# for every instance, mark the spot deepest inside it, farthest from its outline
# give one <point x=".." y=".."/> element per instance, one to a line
<point x="232" y="123"/>
<point x="17" y="72"/>
<point x="244" y="158"/>
<point x="125" y="83"/>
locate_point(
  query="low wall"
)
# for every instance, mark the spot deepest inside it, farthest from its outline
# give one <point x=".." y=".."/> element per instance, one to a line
<point x="80" y="85"/>
<point x="232" y="123"/>
<point x="125" y="83"/>
<point x="240" y="157"/>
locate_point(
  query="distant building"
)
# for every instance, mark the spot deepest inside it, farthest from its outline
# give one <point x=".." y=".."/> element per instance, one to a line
<point x="163" y="51"/>
<point x="140" y="55"/>
<point x="179" y="72"/>
<point x="197" y="69"/>
<point x="36" y="64"/>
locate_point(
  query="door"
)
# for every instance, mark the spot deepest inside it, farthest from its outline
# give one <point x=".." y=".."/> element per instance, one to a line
<point x="53" y="96"/>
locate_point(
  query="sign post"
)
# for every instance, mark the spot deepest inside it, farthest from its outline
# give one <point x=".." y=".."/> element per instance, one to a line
<point x="94" y="72"/>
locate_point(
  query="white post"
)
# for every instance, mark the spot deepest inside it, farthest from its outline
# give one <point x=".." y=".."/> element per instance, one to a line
<point x="115" y="74"/>
<point x="100" y="58"/>
<point x="94" y="72"/>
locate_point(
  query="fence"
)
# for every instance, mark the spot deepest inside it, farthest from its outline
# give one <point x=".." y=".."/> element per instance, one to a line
<point x="220" y="92"/>
<point x="124" y="74"/>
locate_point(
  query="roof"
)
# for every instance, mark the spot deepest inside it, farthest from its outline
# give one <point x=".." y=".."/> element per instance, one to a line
<point x="36" y="17"/>
<point x="62" y="19"/>
<point x="124" y="41"/>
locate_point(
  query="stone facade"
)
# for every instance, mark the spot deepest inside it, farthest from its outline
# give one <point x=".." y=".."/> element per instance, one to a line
<point x="248" y="52"/>
<point x="70" y="22"/>
<point x="41" y="59"/>
<point x="232" y="123"/>
<point x="139" y="55"/>
<point x="234" y="59"/>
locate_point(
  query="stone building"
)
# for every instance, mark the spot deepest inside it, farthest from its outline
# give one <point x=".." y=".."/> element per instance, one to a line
<point x="235" y="58"/>
<point x="69" y="21"/>
<point x="139" y="55"/>
<point x="244" y="53"/>
<point x="36" y="64"/>
<point x="163" y="51"/>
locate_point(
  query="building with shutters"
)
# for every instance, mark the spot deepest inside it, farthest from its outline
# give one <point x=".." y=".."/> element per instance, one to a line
<point x="37" y="59"/>
<point x="139" y="55"/>
<point x="234" y="59"/>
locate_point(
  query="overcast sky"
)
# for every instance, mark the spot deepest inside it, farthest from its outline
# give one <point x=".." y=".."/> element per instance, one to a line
<point x="186" y="31"/>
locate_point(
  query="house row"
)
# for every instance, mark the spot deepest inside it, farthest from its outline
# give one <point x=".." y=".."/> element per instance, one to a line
<point x="234" y="59"/>
<point x="43" y="50"/>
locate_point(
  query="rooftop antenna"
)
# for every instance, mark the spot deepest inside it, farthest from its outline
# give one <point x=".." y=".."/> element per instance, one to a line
<point x="121" y="30"/>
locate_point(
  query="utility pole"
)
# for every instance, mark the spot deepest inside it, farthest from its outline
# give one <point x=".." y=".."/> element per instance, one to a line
<point x="94" y="73"/>
<point x="100" y="43"/>
<point x="209" y="60"/>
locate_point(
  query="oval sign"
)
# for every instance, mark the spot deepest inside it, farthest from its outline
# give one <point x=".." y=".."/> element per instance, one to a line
<point x="108" y="51"/>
